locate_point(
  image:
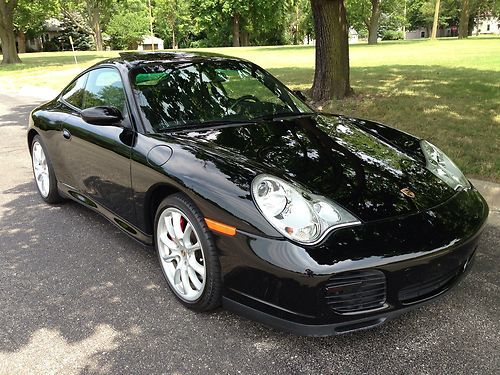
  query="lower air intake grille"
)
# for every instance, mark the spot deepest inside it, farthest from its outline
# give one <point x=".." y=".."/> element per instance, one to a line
<point x="426" y="288"/>
<point x="356" y="291"/>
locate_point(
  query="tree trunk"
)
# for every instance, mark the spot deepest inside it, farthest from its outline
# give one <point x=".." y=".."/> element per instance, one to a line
<point x="174" y="42"/>
<point x="7" y="36"/>
<point x="463" y="27"/>
<point x="331" y="75"/>
<point x="235" y="27"/>
<point x="21" y="42"/>
<point x="374" y="22"/>
<point x="245" y="38"/>
<point x="436" y="18"/>
<point x="96" y="27"/>
<point x="404" y="21"/>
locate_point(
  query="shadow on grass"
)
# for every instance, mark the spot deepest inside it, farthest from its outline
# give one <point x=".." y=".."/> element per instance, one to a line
<point x="457" y="108"/>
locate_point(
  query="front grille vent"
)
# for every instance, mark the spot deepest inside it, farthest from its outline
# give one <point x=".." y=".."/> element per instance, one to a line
<point x="426" y="288"/>
<point x="356" y="291"/>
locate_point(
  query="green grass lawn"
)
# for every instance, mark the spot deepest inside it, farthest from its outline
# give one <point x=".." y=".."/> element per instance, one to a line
<point x="447" y="91"/>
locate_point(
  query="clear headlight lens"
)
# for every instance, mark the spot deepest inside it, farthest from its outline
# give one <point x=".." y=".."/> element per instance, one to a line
<point x="443" y="167"/>
<point x="295" y="212"/>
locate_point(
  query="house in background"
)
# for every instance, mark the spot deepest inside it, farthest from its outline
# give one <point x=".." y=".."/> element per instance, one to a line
<point x="487" y="26"/>
<point x="150" y="43"/>
<point x="424" y="32"/>
<point x="353" y="38"/>
<point x="52" y="28"/>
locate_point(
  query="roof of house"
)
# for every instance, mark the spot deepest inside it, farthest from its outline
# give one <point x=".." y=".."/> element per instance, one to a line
<point x="148" y="39"/>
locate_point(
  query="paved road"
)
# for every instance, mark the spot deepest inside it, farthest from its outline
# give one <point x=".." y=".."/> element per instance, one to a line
<point x="78" y="296"/>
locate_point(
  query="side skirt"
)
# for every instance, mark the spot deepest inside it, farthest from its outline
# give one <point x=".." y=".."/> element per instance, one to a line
<point x="124" y="225"/>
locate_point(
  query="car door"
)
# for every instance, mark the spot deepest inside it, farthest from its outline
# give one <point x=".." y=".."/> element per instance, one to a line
<point x="96" y="157"/>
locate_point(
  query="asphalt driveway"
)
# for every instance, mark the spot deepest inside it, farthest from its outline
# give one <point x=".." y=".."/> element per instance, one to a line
<point x="79" y="296"/>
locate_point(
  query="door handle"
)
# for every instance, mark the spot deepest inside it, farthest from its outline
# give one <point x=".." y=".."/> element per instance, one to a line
<point x="66" y="134"/>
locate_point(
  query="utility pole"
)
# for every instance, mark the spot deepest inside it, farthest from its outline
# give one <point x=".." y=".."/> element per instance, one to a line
<point x="436" y="18"/>
<point x="404" y="21"/>
<point x="151" y="26"/>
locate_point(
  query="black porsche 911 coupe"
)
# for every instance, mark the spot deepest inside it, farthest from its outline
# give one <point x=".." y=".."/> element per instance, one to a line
<point x="309" y="222"/>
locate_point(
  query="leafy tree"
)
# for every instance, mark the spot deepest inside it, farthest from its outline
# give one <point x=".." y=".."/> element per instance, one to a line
<point x="7" y="36"/>
<point x="81" y="41"/>
<point x="89" y="16"/>
<point x="331" y="75"/>
<point x="358" y="13"/>
<point x="298" y="22"/>
<point x="29" y="18"/>
<point x="174" y="20"/>
<point x="241" y="22"/>
<point x="129" y="24"/>
<point x="421" y="13"/>
<point x="368" y="15"/>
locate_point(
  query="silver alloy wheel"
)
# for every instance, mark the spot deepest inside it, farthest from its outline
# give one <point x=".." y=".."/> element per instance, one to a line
<point x="41" y="169"/>
<point x="181" y="254"/>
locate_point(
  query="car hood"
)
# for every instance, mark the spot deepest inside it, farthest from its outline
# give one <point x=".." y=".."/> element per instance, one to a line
<point x="330" y="155"/>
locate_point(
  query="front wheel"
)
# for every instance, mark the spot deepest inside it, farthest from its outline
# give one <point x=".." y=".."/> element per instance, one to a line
<point x="43" y="172"/>
<point x="187" y="253"/>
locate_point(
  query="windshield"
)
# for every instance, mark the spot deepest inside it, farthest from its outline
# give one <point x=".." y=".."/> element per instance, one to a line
<point x="191" y="94"/>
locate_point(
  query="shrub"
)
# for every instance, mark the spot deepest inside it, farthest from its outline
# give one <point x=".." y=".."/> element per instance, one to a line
<point x="392" y="35"/>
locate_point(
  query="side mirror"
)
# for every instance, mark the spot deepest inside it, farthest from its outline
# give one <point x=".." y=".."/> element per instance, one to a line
<point x="102" y="115"/>
<point x="300" y="95"/>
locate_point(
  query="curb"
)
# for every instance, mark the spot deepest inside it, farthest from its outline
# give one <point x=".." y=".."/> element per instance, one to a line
<point x="490" y="191"/>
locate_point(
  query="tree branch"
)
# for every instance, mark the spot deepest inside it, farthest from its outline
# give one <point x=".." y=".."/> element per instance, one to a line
<point x="80" y="24"/>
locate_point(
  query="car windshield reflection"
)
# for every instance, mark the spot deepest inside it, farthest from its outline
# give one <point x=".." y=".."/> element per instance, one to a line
<point x="190" y="95"/>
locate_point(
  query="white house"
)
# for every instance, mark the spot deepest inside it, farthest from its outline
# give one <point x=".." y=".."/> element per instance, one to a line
<point x="353" y="38"/>
<point x="426" y="33"/>
<point x="486" y="26"/>
<point x="149" y="43"/>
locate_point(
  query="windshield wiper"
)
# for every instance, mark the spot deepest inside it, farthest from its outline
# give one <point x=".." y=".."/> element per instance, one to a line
<point x="209" y="123"/>
<point x="284" y="115"/>
<point x="226" y="122"/>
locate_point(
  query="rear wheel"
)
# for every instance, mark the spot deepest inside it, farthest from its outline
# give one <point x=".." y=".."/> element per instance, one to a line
<point x="187" y="253"/>
<point x="45" y="178"/>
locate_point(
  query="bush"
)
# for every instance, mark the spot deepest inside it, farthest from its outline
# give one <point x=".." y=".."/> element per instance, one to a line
<point x="50" y="46"/>
<point x="392" y="35"/>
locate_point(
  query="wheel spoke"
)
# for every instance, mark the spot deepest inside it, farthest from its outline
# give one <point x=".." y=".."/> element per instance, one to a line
<point x="169" y="258"/>
<point x="177" y="274"/>
<point x="176" y="219"/>
<point x="193" y="247"/>
<point x="196" y="266"/>
<point x="186" y="238"/>
<point x="185" y="281"/>
<point x="194" y="279"/>
<point x="39" y="153"/>
<point x="170" y="229"/>
<point x="168" y="242"/>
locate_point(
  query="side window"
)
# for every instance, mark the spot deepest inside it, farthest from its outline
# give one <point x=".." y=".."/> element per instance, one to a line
<point x="104" y="88"/>
<point x="74" y="92"/>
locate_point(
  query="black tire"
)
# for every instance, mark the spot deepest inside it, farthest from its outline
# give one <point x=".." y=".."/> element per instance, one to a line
<point x="212" y="293"/>
<point x="53" y="195"/>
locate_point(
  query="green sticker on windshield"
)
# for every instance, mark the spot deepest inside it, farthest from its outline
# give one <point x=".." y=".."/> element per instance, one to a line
<point x="149" y="79"/>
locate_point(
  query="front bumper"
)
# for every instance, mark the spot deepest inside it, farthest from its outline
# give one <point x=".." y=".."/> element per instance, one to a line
<point x="421" y="257"/>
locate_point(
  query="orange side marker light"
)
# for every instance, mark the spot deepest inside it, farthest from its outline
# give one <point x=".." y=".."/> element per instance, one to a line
<point x="221" y="228"/>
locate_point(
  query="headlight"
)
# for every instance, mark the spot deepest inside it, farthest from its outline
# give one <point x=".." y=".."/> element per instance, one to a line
<point x="296" y="213"/>
<point x="442" y="166"/>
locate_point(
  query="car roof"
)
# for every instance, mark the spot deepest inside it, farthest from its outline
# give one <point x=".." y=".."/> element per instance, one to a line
<point x="134" y="59"/>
